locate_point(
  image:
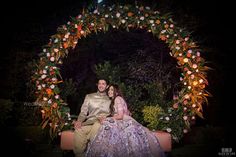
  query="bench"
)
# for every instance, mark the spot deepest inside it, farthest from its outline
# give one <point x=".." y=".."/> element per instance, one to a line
<point x="67" y="140"/>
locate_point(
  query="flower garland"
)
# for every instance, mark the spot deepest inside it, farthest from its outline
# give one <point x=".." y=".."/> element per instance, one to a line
<point x="47" y="75"/>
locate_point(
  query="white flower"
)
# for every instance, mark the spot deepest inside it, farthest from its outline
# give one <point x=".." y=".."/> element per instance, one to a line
<point x="185" y="60"/>
<point x="190" y="51"/>
<point x="67" y="35"/>
<point x="49" y="101"/>
<point x="198" y="54"/>
<point x="185" y="117"/>
<point x="57" y="96"/>
<point x="168" y="130"/>
<point x="95" y="11"/>
<point x="194" y="66"/>
<point x="39" y="87"/>
<point x="201" y="80"/>
<point x="185" y="130"/>
<point x="45" y="99"/>
<point x="106" y="16"/>
<point x="167" y="118"/>
<point x="56" y="40"/>
<point x="54" y="79"/>
<point x="142" y="18"/>
<point x="44" y="50"/>
<point x="123" y="21"/>
<point x="118" y="14"/>
<point x="177" y="41"/>
<point x="52" y="86"/>
<point x="52" y="59"/>
<point x="48" y="54"/>
<point x="151" y="21"/>
<point x="192" y="76"/>
<point x="45" y="71"/>
<point x="189" y="72"/>
<point x="43" y="76"/>
<point x="43" y="85"/>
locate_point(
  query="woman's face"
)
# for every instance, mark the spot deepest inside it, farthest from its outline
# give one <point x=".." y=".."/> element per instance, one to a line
<point x="111" y="92"/>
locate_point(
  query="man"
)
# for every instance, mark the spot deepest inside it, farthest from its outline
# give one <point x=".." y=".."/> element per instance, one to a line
<point x="95" y="107"/>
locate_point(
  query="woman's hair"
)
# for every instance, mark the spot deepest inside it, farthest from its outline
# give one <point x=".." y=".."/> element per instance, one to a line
<point x="117" y="92"/>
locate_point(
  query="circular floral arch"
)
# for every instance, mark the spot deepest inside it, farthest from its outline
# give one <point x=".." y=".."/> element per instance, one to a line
<point x="187" y="103"/>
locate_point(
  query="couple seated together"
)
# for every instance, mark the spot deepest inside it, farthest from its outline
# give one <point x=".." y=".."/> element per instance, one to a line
<point x="104" y="128"/>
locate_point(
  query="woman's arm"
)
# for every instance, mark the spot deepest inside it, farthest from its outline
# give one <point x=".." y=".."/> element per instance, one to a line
<point x="119" y="106"/>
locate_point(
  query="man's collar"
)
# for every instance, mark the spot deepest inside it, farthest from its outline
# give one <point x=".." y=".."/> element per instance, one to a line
<point x="101" y="94"/>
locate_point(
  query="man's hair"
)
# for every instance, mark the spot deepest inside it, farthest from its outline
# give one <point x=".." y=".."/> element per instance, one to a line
<point x="102" y="78"/>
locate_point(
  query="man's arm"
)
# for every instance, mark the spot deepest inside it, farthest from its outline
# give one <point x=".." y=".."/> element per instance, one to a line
<point x="83" y="114"/>
<point x="84" y="110"/>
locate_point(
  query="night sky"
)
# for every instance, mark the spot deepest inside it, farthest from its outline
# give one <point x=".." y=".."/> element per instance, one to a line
<point x="28" y="25"/>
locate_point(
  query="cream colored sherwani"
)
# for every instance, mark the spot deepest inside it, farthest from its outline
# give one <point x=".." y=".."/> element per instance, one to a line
<point x="95" y="105"/>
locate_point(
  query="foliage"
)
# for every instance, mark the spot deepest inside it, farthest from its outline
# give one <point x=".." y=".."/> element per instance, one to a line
<point x="152" y="115"/>
<point x="68" y="88"/>
<point x="182" y="48"/>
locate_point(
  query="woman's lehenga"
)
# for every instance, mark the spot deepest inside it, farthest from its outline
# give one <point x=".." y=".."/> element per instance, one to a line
<point x="124" y="138"/>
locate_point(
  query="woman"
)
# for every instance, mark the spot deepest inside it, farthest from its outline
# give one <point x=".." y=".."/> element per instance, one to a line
<point x="122" y="136"/>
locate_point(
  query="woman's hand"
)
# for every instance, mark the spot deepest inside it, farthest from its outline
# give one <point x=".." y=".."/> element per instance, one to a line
<point x="101" y="119"/>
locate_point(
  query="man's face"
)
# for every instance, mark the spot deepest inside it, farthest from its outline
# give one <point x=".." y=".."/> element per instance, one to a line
<point x="102" y="85"/>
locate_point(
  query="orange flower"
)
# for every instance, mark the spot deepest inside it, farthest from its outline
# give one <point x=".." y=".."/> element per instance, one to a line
<point x="189" y="55"/>
<point x="158" y="22"/>
<point x="65" y="45"/>
<point x="79" y="28"/>
<point x="163" y="37"/>
<point x="166" y="26"/>
<point x="49" y="91"/>
<point x="130" y="14"/>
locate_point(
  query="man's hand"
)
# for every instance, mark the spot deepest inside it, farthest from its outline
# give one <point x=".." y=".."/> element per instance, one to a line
<point x="77" y="125"/>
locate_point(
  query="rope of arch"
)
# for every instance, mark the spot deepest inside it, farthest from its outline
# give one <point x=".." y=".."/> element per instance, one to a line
<point x="187" y="53"/>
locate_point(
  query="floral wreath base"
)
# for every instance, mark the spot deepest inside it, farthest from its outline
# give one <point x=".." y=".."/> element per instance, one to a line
<point x="47" y="76"/>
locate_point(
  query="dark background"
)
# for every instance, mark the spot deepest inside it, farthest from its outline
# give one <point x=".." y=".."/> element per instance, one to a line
<point x="27" y="26"/>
